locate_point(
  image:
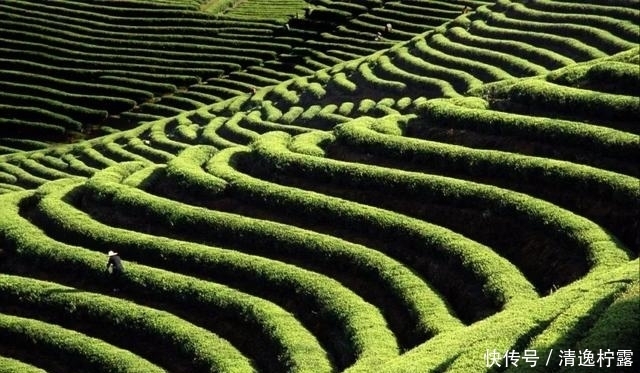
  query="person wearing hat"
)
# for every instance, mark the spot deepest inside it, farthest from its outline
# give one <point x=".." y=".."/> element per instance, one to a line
<point x="115" y="268"/>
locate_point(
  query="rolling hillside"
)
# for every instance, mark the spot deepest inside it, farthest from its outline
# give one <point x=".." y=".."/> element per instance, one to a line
<point x="305" y="198"/>
<point x="91" y="69"/>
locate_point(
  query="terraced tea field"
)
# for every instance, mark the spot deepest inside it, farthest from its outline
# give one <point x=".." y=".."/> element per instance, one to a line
<point x="292" y="192"/>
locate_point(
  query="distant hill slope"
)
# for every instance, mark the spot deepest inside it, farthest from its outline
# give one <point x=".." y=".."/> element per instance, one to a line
<point x="462" y="199"/>
<point x="280" y="10"/>
<point x="70" y="68"/>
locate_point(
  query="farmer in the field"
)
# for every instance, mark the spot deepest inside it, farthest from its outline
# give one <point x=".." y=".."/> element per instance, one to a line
<point x="115" y="269"/>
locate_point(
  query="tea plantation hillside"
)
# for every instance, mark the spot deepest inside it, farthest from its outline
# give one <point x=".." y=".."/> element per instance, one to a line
<point x="455" y="197"/>
<point x="72" y="69"/>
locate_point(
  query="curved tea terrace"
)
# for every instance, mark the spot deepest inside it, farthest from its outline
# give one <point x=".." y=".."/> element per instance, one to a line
<point x="471" y="188"/>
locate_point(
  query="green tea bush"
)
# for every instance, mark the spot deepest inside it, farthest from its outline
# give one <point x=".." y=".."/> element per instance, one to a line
<point x="210" y="134"/>
<point x="484" y="72"/>
<point x="292" y="114"/>
<point x="295" y="347"/>
<point x="131" y="83"/>
<point x="620" y="11"/>
<point x="95" y="157"/>
<point x="366" y="348"/>
<point x="25" y="179"/>
<point x="421" y="85"/>
<point x="498" y="63"/>
<point x="596" y="139"/>
<point x="593" y="36"/>
<point x="76" y="114"/>
<point x="118" y="153"/>
<point x="346" y="108"/>
<point x="540" y="56"/>
<point x="460" y="80"/>
<point x="340" y="81"/>
<point x="618" y="28"/>
<point x="607" y="76"/>
<point x="255" y="123"/>
<point x="579" y="231"/>
<point x="74" y="87"/>
<point x="271" y="153"/>
<point x="203" y="350"/>
<point x="541" y="96"/>
<point x="78" y="166"/>
<point x="232" y="131"/>
<point x="8" y="365"/>
<point x="377" y="83"/>
<point x="13" y="128"/>
<point x="569" y="47"/>
<point x="36" y="168"/>
<point x="69" y="347"/>
<point x="138" y="146"/>
<point x="158" y="136"/>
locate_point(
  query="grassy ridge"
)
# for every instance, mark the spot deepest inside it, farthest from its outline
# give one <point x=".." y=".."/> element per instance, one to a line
<point x="70" y="347"/>
<point x="327" y="299"/>
<point x="186" y="292"/>
<point x="137" y="325"/>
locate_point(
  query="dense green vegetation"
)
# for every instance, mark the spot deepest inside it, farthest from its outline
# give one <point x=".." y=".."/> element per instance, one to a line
<point x="291" y="191"/>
